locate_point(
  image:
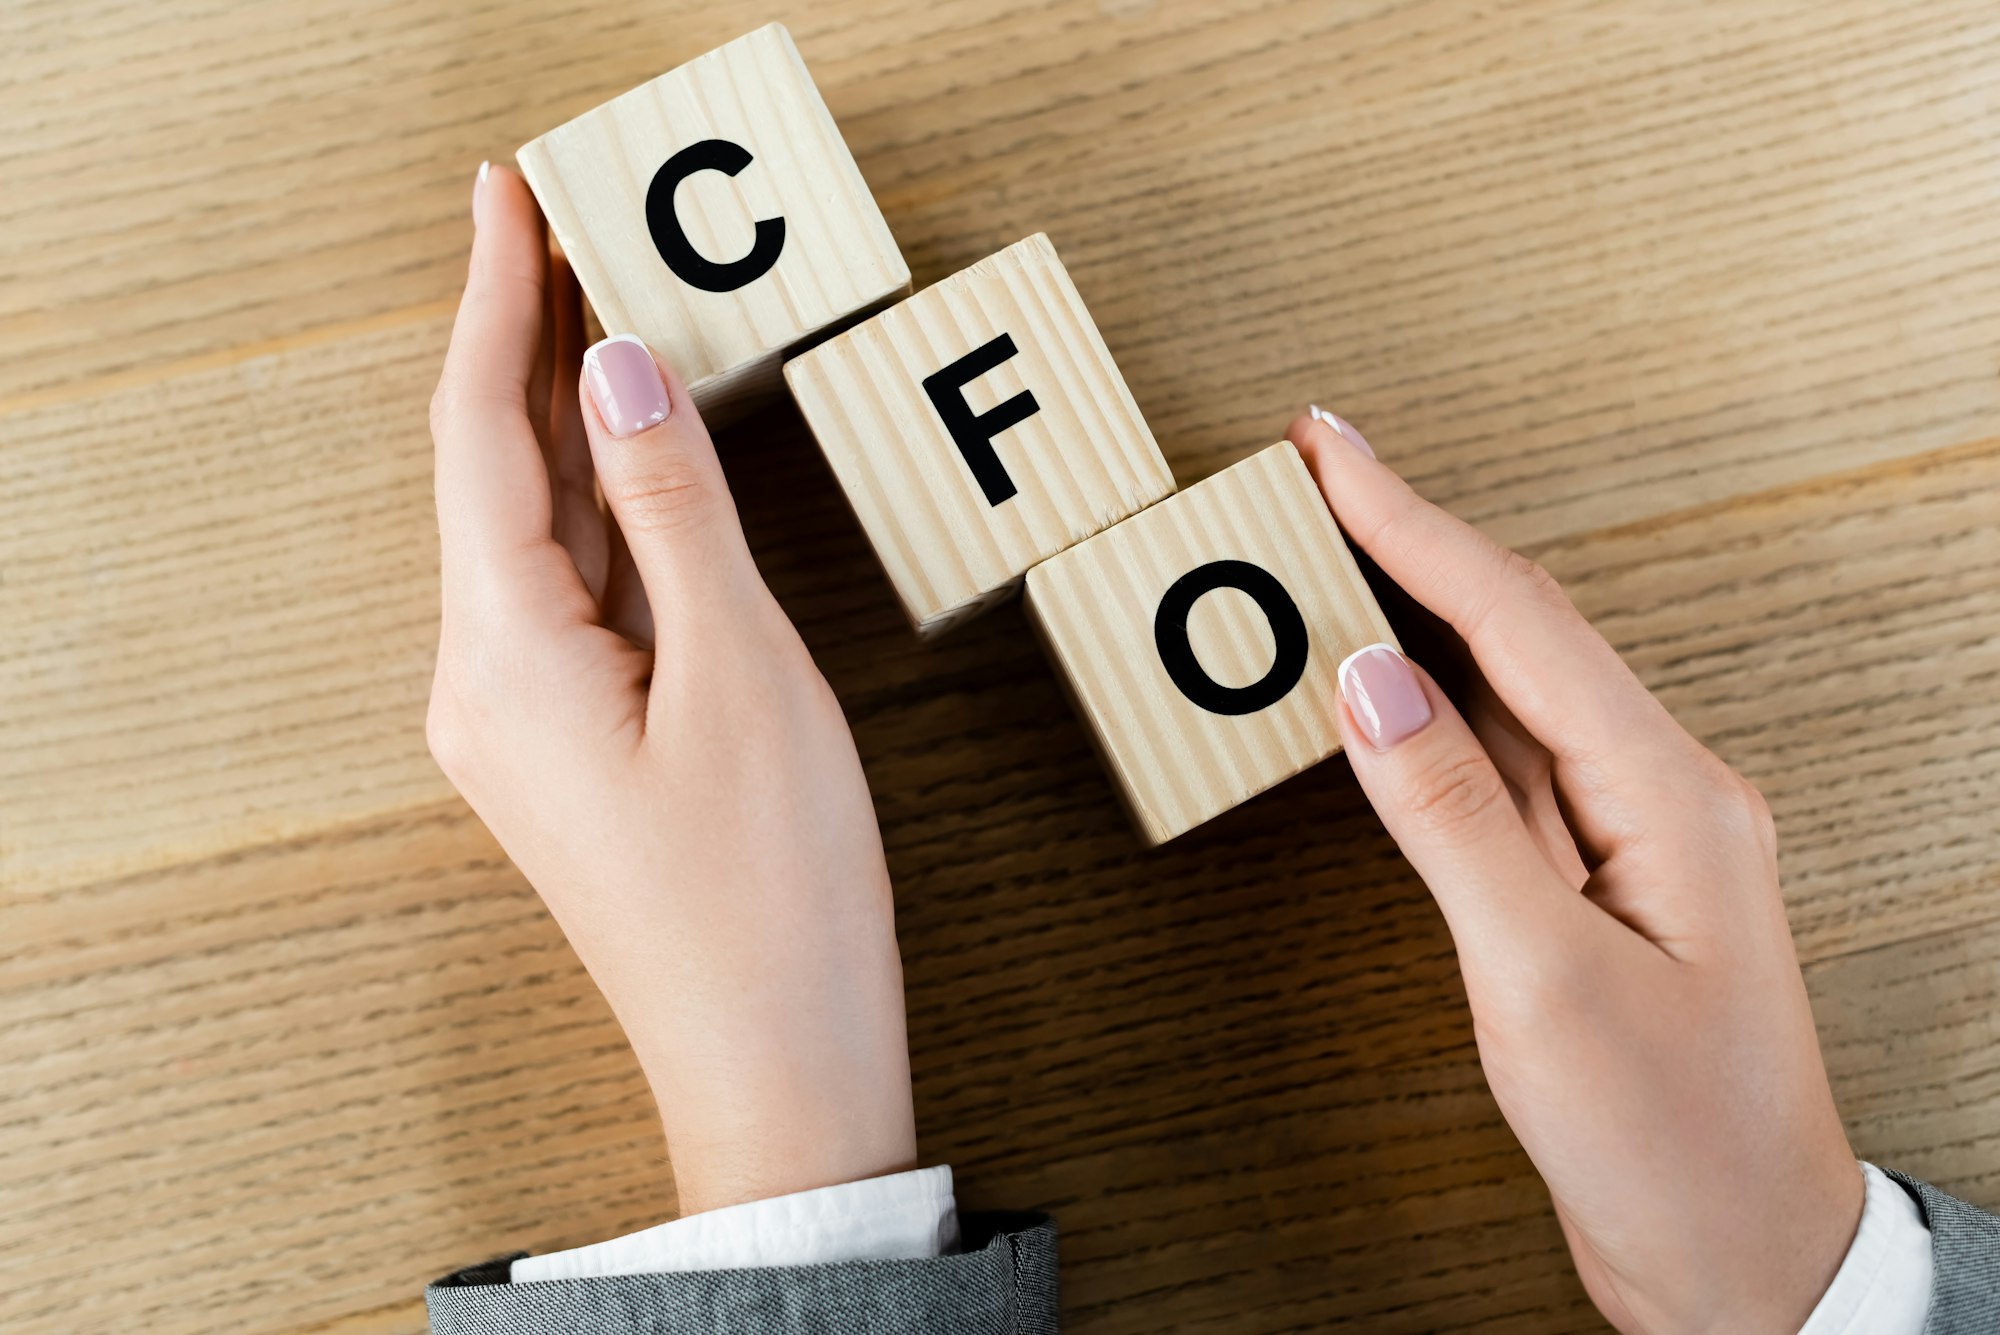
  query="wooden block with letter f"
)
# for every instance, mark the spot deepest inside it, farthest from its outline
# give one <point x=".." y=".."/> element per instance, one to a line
<point x="716" y="213"/>
<point x="977" y="428"/>
<point x="1202" y="640"/>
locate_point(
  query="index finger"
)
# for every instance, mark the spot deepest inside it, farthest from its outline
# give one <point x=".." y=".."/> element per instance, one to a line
<point x="1562" y="680"/>
<point x="493" y="497"/>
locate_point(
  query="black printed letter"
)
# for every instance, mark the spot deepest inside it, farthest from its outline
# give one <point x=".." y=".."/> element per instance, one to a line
<point x="972" y="432"/>
<point x="1288" y="629"/>
<point x="689" y="265"/>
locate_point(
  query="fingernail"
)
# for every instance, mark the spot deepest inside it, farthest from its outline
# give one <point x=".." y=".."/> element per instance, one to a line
<point x="625" y="383"/>
<point x="1382" y="690"/>
<point x="478" y="185"/>
<point x="1344" y="428"/>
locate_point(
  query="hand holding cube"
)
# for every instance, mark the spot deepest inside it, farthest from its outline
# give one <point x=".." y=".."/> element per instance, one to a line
<point x="716" y="213"/>
<point x="980" y="429"/>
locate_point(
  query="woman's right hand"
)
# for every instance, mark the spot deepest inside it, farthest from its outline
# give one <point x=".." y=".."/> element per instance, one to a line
<point x="628" y="709"/>
<point x="1611" y="887"/>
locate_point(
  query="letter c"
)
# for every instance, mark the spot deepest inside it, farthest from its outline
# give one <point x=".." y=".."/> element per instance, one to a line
<point x="670" y="239"/>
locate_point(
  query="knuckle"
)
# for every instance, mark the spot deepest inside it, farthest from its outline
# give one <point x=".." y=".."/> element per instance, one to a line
<point x="1761" y="815"/>
<point x="1745" y="812"/>
<point x="1725" y="805"/>
<point x="1531" y="576"/>
<point x="445" y="734"/>
<point x="1510" y="583"/>
<point x="453" y="402"/>
<point x="497" y="268"/>
<point x="669" y="497"/>
<point x="470" y="699"/>
<point x="1559" y="984"/>
<point x="444" y="406"/>
<point x="1407" y="531"/>
<point x="1531" y="992"/>
<point x="1455" y="790"/>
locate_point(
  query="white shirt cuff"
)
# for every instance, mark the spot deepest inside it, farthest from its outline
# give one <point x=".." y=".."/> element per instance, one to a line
<point x="1884" y="1285"/>
<point x="904" y="1216"/>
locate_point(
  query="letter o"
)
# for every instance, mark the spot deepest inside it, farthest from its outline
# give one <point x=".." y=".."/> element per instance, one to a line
<point x="1288" y="630"/>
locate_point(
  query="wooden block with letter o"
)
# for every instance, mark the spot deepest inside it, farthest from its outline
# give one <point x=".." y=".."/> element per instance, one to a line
<point x="977" y="428"/>
<point x="1202" y="639"/>
<point x="716" y="213"/>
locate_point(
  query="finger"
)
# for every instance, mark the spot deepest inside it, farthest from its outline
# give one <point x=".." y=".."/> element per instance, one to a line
<point x="1445" y="804"/>
<point x="624" y="602"/>
<point x="580" y="525"/>
<point x="493" y="493"/>
<point x="1528" y="769"/>
<point x="1557" y="674"/>
<point x="663" y="484"/>
<point x="567" y="442"/>
<point x="541" y="371"/>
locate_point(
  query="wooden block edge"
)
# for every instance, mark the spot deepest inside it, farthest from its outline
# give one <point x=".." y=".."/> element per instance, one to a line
<point x="1152" y="831"/>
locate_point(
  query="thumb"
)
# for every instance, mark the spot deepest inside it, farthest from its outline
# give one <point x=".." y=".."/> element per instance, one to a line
<point x="662" y="481"/>
<point x="1450" y="812"/>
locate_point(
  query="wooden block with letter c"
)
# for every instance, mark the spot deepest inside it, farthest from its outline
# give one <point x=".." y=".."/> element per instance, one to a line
<point x="977" y="428"/>
<point x="716" y="213"/>
<point x="1202" y="639"/>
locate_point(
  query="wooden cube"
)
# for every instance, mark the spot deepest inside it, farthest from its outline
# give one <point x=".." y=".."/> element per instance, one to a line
<point x="977" y="428"/>
<point x="1202" y="639"/>
<point x="716" y="213"/>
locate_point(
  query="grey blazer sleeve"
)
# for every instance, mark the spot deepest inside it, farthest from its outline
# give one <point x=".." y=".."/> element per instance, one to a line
<point x="1003" y="1282"/>
<point x="1965" y="1250"/>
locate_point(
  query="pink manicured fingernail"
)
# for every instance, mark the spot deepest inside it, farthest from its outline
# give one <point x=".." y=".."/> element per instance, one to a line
<point x="625" y="383"/>
<point x="1344" y="428"/>
<point x="1384" y="694"/>
<point x="478" y="185"/>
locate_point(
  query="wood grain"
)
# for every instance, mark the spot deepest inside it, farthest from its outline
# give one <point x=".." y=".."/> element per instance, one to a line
<point x="1176" y="762"/>
<point x="836" y="259"/>
<point x="1696" y="304"/>
<point x="1083" y="460"/>
<point x="182" y="676"/>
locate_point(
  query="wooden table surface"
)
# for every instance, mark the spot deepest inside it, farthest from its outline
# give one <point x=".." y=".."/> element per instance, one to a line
<point x="1698" y="304"/>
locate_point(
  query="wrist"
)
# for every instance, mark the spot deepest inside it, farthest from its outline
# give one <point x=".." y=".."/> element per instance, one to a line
<point x="712" y="1173"/>
<point x="764" y="1119"/>
<point x="1771" y="1285"/>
